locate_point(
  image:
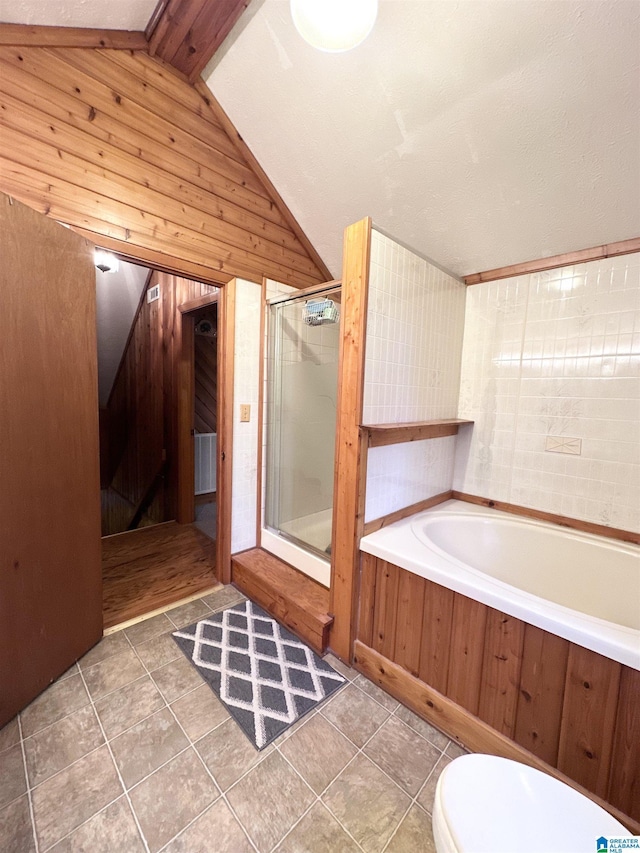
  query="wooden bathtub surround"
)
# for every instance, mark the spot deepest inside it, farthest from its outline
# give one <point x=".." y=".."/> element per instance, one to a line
<point x="501" y="685"/>
<point x="381" y="435"/>
<point x="351" y="446"/>
<point x="405" y="512"/>
<point x="464" y="727"/>
<point x="608" y="250"/>
<point x="287" y="594"/>
<point x="563" y="520"/>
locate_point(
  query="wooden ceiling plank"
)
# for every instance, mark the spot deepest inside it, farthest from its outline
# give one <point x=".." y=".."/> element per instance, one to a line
<point x="182" y="15"/>
<point x="211" y="28"/>
<point x="25" y="35"/>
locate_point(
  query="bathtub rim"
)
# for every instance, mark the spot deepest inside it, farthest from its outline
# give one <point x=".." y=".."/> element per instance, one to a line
<point x="398" y="544"/>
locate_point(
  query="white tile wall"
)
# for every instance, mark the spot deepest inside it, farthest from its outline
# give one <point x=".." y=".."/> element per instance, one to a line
<point x="555" y="354"/>
<point x="415" y="321"/>
<point x="246" y="380"/>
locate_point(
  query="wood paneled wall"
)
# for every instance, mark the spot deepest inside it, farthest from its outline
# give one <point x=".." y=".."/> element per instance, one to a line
<point x="206" y="374"/>
<point x="141" y="411"/>
<point x="576" y="710"/>
<point x="118" y="145"/>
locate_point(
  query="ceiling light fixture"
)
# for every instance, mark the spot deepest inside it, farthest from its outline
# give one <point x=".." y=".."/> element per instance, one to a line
<point x="105" y="261"/>
<point x="334" y="25"/>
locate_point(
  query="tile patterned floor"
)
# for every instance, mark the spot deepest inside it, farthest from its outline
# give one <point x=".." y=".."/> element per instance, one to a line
<point x="131" y="752"/>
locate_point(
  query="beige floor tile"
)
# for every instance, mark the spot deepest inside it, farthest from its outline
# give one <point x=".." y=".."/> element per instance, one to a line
<point x="340" y="667"/>
<point x="223" y="598"/>
<point x="56" y="747"/>
<point x="16" y="831"/>
<point x="199" y="711"/>
<point x="56" y="702"/>
<point x="110" y="831"/>
<point x="146" y="630"/>
<point x="71" y="671"/>
<point x="127" y="706"/>
<point x="146" y="746"/>
<point x="368" y="804"/>
<point x="428" y="793"/>
<point x="186" y="614"/>
<point x="376" y="693"/>
<point x="414" y="834"/>
<point x="402" y="753"/>
<point x="228" y="754"/>
<point x="12" y="779"/>
<point x="177" y="678"/>
<point x="9" y="734"/>
<point x="431" y="733"/>
<point x="158" y="651"/>
<point x="113" y="644"/>
<point x="216" y="823"/>
<point x="318" y="752"/>
<point x="172" y="797"/>
<point x="355" y="714"/>
<point x="318" y="832"/>
<point x="454" y="750"/>
<point x="71" y="797"/>
<point x="269" y="800"/>
<point x="113" y="673"/>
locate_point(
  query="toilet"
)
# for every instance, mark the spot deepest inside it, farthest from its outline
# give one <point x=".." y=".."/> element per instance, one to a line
<point x="486" y="804"/>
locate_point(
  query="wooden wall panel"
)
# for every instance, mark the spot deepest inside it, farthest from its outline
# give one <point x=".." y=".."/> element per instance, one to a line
<point x="624" y="784"/>
<point x="530" y="692"/>
<point x="206" y="375"/>
<point x="115" y="144"/>
<point x="588" y="719"/>
<point x="501" y="671"/>
<point x="411" y="589"/>
<point x="436" y="635"/>
<point x="466" y="652"/>
<point x="541" y="695"/>
<point x="386" y="609"/>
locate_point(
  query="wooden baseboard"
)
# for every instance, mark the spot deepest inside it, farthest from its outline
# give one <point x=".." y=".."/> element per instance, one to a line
<point x="405" y="512"/>
<point x="458" y="723"/>
<point x="563" y="520"/>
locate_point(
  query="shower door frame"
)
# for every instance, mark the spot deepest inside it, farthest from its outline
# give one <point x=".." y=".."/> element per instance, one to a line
<point x="268" y="533"/>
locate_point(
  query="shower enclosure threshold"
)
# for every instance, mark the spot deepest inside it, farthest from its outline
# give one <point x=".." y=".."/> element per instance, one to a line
<point x="317" y="568"/>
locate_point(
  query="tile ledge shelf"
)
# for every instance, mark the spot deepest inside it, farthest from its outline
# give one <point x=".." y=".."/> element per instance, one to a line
<point x="380" y="435"/>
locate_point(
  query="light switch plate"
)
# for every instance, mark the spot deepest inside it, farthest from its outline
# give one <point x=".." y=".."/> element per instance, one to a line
<point x="245" y="413"/>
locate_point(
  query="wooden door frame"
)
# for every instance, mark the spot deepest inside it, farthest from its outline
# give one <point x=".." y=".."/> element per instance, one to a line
<point x="185" y="405"/>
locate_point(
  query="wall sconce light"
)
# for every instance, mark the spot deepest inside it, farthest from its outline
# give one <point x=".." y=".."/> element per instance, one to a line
<point x="105" y="261"/>
<point x="334" y="25"/>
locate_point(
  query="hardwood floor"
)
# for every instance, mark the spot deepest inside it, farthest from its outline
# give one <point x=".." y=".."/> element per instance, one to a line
<point x="145" y="569"/>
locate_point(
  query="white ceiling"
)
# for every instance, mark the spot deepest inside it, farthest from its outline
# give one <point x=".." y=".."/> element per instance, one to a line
<point x="480" y="133"/>
<point x="102" y="14"/>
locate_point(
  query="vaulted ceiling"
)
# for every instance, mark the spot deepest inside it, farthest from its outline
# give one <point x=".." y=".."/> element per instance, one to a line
<point x="479" y="133"/>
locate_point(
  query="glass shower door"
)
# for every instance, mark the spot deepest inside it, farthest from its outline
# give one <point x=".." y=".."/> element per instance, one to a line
<point x="304" y="335"/>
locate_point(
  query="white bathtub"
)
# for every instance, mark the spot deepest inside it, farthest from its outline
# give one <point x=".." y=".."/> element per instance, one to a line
<point x="581" y="587"/>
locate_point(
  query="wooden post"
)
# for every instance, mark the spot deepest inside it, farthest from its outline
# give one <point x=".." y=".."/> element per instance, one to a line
<point x="350" y="458"/>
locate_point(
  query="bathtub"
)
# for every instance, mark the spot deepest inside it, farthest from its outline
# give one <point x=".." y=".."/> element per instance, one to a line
<point x="581" y="587"/>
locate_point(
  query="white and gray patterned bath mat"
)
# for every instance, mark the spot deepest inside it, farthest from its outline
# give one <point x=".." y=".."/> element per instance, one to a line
<point x="264" y="674"/>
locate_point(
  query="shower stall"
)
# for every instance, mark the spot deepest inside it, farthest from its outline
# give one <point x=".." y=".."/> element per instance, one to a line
<point x="302" y="387"/>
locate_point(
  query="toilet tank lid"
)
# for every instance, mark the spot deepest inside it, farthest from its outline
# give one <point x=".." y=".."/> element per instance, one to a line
<point x="496" y="805"/>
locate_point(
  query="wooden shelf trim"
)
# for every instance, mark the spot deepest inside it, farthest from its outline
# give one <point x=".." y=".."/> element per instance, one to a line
<point x="380" y="435"/>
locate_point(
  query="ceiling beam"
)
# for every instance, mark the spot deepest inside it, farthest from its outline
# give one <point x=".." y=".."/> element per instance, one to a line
<point x="25" y="35"/>
<point x="187" y="33"/>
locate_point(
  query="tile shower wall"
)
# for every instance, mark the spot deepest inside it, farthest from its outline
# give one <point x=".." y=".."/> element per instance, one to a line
<point x="552" y="360"/>
<point x="246" y="383"/>
<point x="415" y="321"/>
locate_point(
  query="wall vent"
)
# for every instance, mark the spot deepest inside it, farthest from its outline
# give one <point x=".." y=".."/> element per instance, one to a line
<point x="153" y="293"/>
